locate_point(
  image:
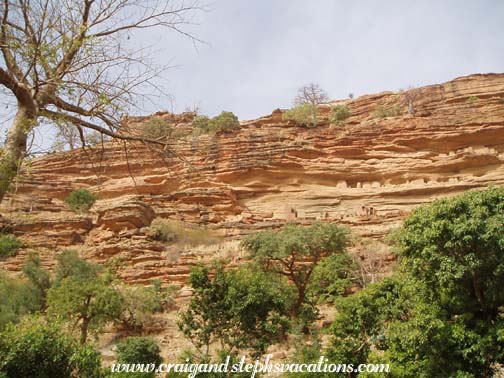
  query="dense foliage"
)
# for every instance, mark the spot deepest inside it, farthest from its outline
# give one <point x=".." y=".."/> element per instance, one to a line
<point x="17" y="298"/>
<point x="35" y="348"/>
<point x="242" y="309"/>
<point x="138" y="350"/>
<point x="80" y="200"/>
<point x="295" y="251"/>
<point x="442" y="315"/>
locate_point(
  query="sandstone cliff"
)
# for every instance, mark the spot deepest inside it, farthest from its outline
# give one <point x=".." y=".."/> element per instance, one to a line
<point x="368" y="174"/>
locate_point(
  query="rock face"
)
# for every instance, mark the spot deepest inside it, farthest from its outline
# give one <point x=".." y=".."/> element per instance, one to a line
<point x="367" y="173"/>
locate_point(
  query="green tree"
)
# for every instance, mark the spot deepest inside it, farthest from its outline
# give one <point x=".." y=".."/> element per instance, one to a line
<point x="35" y="348"/>
<point x="442" y="314"/>
<point x="17" y="299"/>
<point x="38" y="277"/>
<point x="332" y="277"/>
<point x="295" y="251"/>
<point x="242" y="309"/>
<point x="138" y="303"/>
<point x="83" y="296"/>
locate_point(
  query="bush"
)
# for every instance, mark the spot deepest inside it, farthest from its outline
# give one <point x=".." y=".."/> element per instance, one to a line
<point x="472" y="98"/>
<point x="17" y="299"/>
<point x="339" y="113"/>
<point x="302" y="115"/>
<point x="200" y="124"/>
<point x="156" y="128"/>
<point x="80" y="200"/>
<point x="9" y="245"/>
<point x="39" y="349"/>
<point x="138" y="350"/>
<point x="139" y="303"/>
<point x="383" y="112"/>
<point x="168" y="231"/>
<point x="225" y="122"/>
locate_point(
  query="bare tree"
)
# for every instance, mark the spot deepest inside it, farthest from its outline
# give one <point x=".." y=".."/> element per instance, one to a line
<point x="66" y="135"/>
<point x="311" y="94"/>
<point x="409" y="96"/>
<point x="72" y="61"/>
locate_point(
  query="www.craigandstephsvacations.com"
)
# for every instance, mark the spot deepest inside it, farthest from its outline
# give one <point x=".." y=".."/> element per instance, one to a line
<point x="267" y="366"/>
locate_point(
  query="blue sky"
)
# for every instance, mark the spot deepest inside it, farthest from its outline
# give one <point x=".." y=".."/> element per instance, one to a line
<point x="258" y="53"/>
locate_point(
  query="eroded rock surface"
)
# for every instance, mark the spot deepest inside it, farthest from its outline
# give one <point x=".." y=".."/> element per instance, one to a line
<point x="368" y="173"/>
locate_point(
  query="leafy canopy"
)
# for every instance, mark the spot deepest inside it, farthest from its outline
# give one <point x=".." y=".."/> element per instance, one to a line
<point x="295" y="251"/>
<point x="82" y="295"/>
<point x="442" y="314"/>
<point x="35" y="348"/>
<point x="240" y="309"/>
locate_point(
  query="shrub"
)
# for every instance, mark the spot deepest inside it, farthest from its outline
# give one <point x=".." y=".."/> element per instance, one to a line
<point x="156" y="128"/>
<point x="80" y="200"/>
<point x="200" y="124"/>
<point x="168" y="231"/>
<point x="339" y="113"/>
<point x="302" y="115"/>
<point x="9" y="245"/>
<point x="17" y="299"/>
<point x="225" y="122"/>
<point x="139" y="303"/>
<point x="472" y="98"/>
<point x="138" y="350"/>
<point x="383" y="112"/>
<point x="35" y="348"/>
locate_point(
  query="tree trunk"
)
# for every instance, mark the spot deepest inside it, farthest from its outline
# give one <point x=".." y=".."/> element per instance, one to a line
<point x="84" y="330"/>
<point x="15" y="146"/>
<point x="300" y="300"/>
